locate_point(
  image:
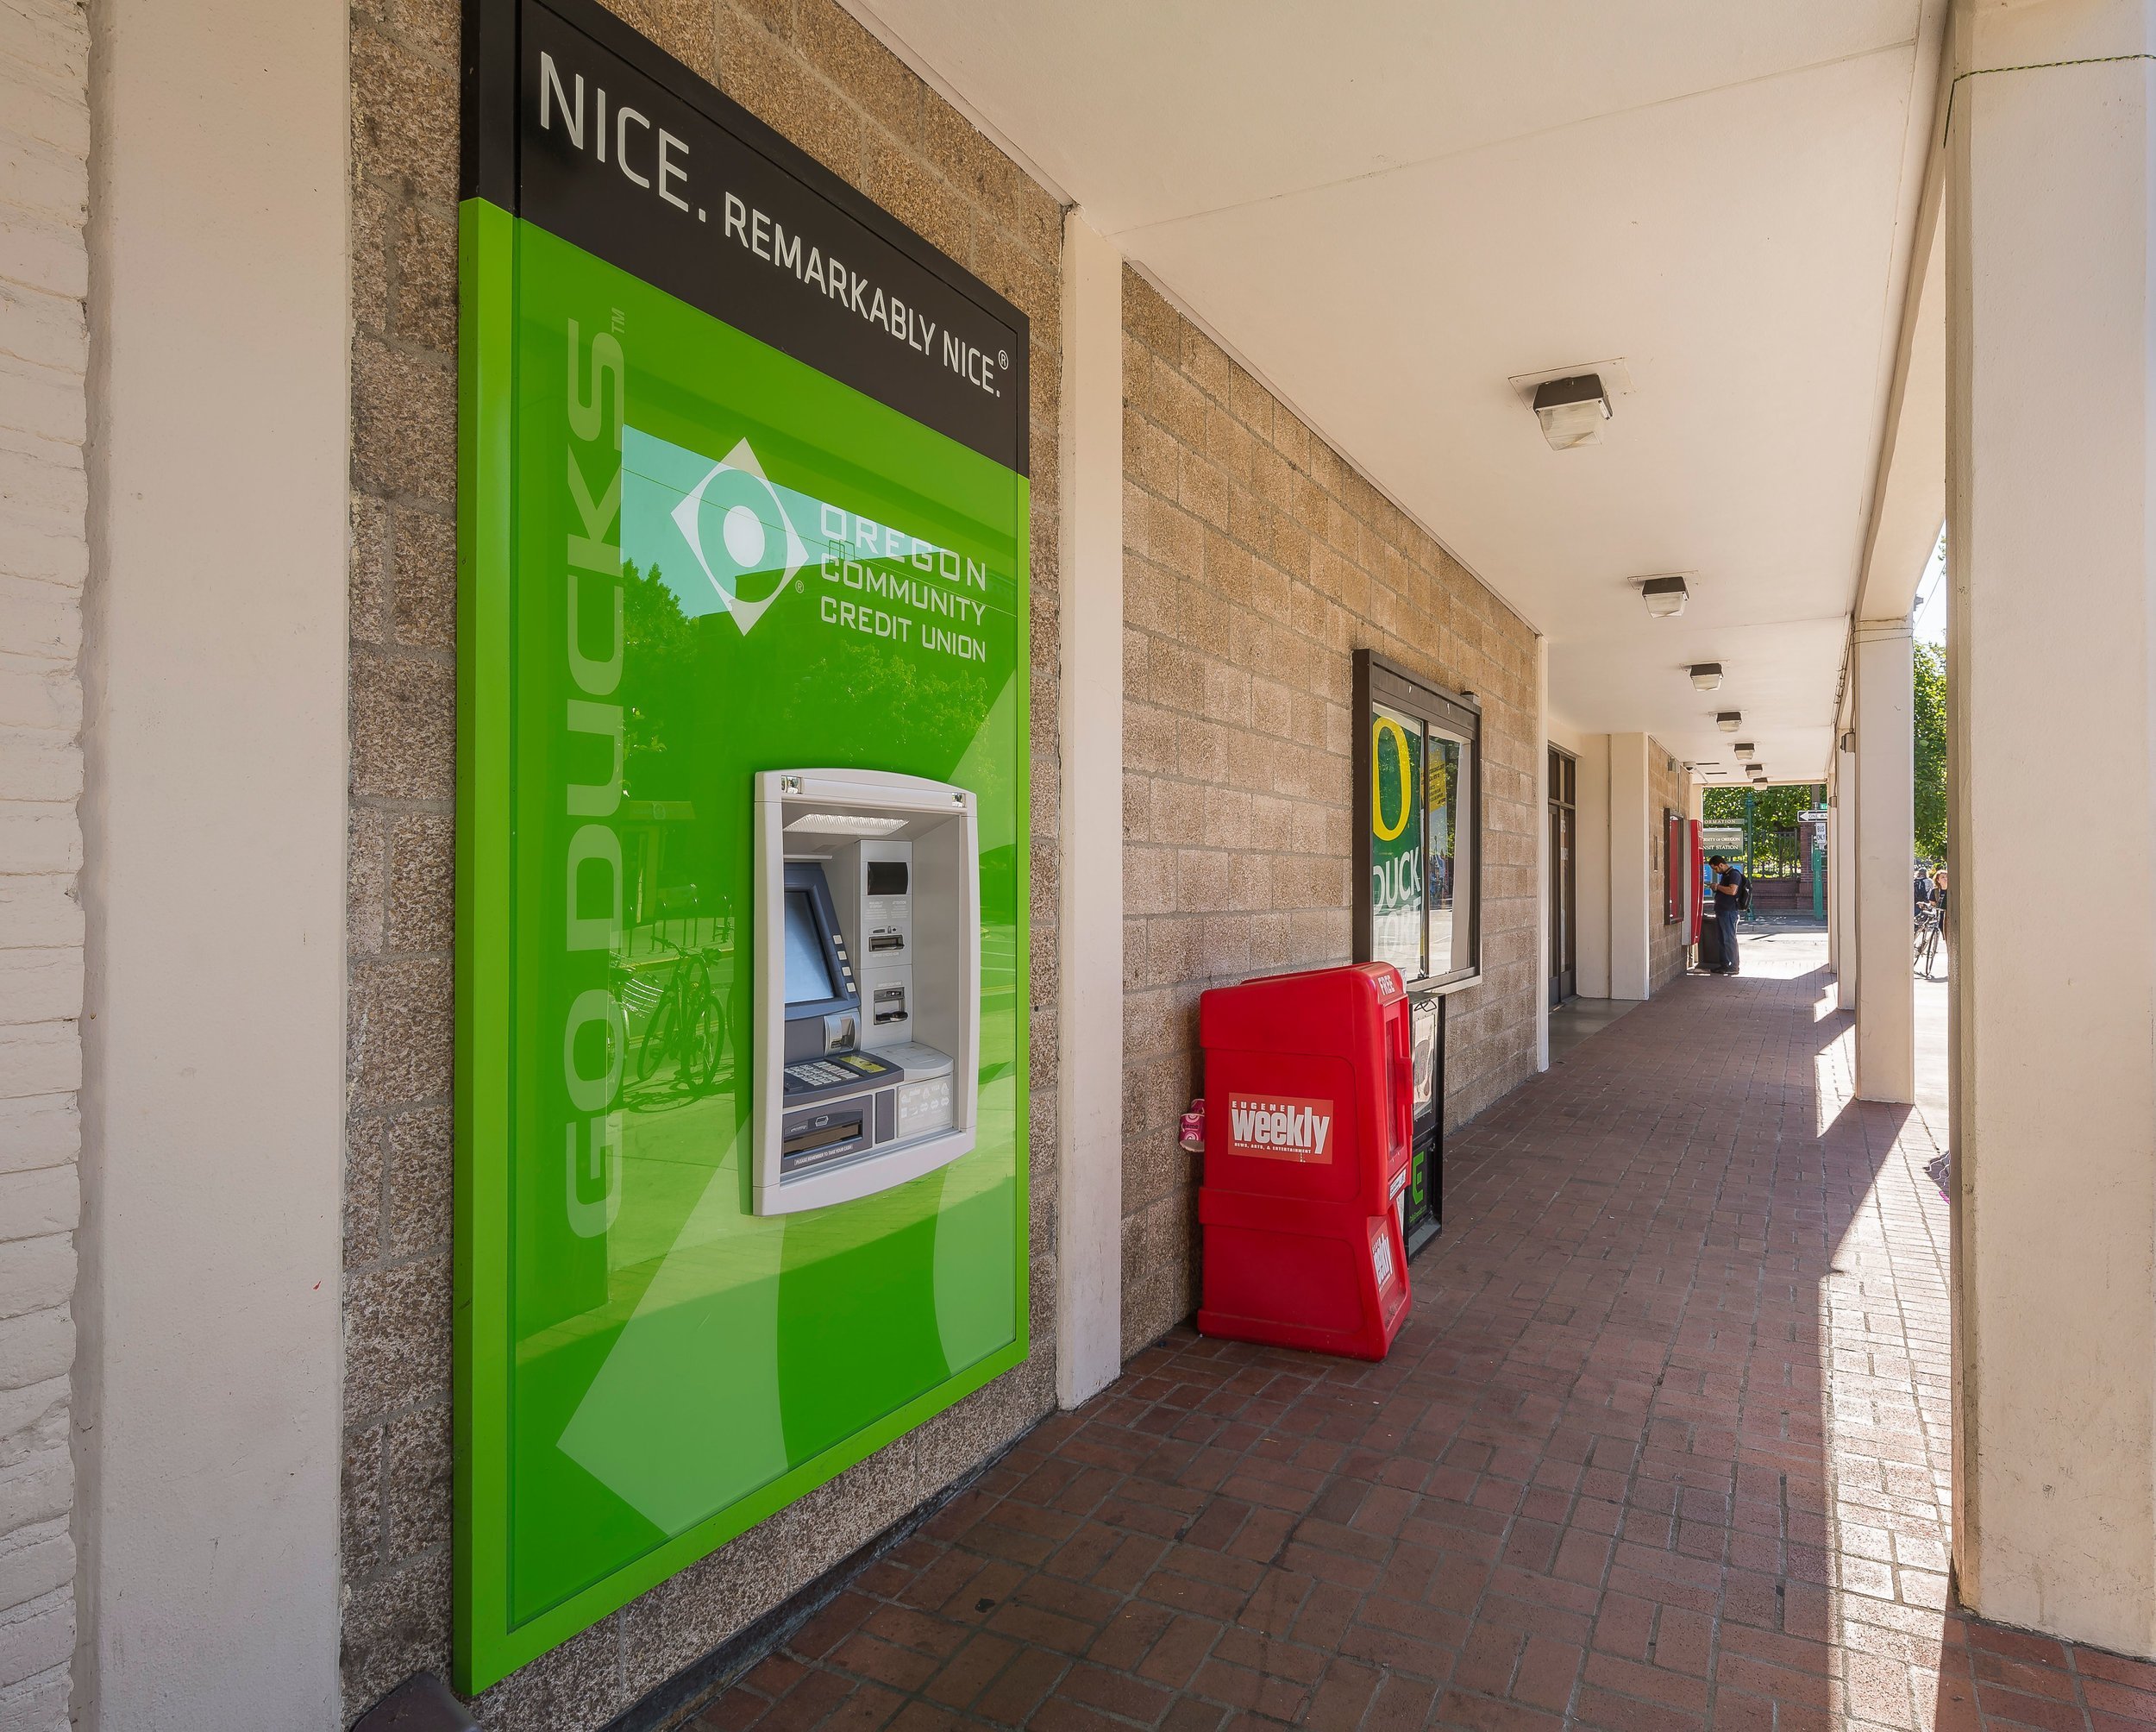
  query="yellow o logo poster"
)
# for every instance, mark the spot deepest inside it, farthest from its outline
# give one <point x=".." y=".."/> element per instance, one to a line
<point x="1382" y="830"/>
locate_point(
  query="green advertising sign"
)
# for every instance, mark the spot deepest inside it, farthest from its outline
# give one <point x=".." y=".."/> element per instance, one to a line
<point x="697" y="549"/>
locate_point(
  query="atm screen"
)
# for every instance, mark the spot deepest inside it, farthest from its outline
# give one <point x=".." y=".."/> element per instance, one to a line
<point x="808" y="973"/>
<point x="886" y="877"/>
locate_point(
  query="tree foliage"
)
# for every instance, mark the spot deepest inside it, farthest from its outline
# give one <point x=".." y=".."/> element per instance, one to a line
<point x="1774" y="808"/>
<point x="1776" y="837"/>
<point x="1931" y="752"/>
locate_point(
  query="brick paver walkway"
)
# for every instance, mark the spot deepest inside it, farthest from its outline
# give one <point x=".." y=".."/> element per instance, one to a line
<point x="1663" y="1446"/>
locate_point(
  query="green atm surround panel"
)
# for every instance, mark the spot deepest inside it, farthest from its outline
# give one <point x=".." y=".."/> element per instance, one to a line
<point x="742" y="487"/>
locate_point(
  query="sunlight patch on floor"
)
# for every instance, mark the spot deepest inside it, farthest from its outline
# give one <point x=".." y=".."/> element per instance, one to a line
<point x="1884" y="1387"/>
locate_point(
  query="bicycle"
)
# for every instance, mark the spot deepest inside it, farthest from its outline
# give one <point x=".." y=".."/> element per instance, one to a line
<point x="1927" y="938"/>
<point x="686" y="1022"/>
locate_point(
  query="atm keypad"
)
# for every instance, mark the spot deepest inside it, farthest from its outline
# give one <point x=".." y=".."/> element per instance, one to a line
<point x="838" y="1070"/>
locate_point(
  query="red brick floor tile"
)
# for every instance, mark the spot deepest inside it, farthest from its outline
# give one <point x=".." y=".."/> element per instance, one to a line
<point x="1664" y="1444"/>
<point x="2134" y="1674"/>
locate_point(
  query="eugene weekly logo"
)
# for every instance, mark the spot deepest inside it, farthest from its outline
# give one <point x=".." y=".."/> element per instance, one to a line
<point x="1281" y="1127"/>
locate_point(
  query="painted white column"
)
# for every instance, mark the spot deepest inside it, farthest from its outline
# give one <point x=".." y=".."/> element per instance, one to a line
<point x="1841" y="840"/>
<point x="1592" y="865"/>
<point x="1635" y="901"/>
<point x="1695" y="810"/>
<point x="1833" y="889"/>
<point x="214" y="881"/>
<point x="1089" y="999"/>
<point x="1543" y="863"/>
<point x="2051" y="514"/>
<point x="1882" y="673"/>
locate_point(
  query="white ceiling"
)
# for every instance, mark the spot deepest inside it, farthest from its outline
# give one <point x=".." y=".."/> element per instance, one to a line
<point x="1389" y="208"/>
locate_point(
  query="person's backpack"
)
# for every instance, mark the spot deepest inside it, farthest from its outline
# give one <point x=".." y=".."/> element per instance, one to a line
<point x="1744" y="892"/>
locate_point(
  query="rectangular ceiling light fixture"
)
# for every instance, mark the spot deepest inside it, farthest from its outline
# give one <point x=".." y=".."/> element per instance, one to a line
<point x="1572" y="410"/>
<point x="1730" y="721"/>
<point x="1665" y="596"/>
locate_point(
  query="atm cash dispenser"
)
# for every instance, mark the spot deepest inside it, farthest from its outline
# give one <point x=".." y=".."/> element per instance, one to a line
<point x="867" y="983"/>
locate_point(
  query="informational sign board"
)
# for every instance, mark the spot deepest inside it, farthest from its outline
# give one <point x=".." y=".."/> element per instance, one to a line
<point x="743" y="488"/>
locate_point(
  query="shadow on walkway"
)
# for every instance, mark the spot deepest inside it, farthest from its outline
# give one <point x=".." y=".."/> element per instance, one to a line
<point x="1663" y="1445"/>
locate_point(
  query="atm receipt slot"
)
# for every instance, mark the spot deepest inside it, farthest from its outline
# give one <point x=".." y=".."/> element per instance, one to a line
<point x="867" y="983"/>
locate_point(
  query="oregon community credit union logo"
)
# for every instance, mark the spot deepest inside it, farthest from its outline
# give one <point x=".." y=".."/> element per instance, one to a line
<point x="737" y="524"/>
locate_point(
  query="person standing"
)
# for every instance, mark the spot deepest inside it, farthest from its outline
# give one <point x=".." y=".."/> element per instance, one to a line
<point x="1729" y="885"/>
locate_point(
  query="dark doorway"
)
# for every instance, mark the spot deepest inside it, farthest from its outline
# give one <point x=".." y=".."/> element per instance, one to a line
<point x="1564" y="876"/>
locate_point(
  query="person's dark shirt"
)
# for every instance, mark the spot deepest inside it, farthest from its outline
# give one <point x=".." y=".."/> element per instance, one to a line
<point x="1729" y="879"/>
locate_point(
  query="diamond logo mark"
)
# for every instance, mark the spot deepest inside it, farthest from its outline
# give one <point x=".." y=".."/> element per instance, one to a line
<point x="738" y="529"/>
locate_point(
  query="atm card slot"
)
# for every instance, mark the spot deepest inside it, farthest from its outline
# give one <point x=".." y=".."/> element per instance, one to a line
<point x="809" y="1139"/>
<point x="887" y="941"/>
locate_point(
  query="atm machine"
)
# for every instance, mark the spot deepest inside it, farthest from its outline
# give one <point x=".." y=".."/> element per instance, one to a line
<point x="867" y="983"/>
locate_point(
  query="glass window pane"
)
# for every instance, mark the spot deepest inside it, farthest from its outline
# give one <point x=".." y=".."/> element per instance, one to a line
<point x="1443" y="829"/>
<point x="1396" y="829"/>
<point x="1449" y="870"/>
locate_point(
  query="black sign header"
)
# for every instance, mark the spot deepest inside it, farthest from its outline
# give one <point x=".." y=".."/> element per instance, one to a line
<point x="578" y="124"/>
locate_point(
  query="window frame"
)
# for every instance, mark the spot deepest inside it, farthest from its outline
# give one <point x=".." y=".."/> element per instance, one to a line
<point x="1381" y="683"/>
<point x="1675" y="850"/>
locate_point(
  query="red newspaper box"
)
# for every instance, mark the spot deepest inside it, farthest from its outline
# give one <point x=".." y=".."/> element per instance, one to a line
<point x="1309" y="1123"/>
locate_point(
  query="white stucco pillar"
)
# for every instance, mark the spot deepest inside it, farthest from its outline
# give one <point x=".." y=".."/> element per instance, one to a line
<point x="2052" y="401"/>
<point x="1592" y="866"/>
<point x="1882" y="673"/>
<point x="1635" y="902"/>
<point x="208" y="1431"/>
<point x="1841" y="880"/>
<point x="1089" y="999"/>
<point x="1544" y="865"/>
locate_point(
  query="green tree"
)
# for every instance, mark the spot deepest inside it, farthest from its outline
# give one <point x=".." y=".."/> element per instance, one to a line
<point x="1931" y="752"/>
<point x="1775" y="811"/>
<point x="1774" y="808"/>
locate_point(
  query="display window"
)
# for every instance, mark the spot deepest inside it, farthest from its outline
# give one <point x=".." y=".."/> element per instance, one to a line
<point x="1418" y="780"/>
<point x="1675" y="861"/>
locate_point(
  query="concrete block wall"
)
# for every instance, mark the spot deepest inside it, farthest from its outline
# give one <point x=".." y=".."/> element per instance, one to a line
<point x="807" y="69"/>
<point x="1255" y="560"/>
<point x="43" y="559"/>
